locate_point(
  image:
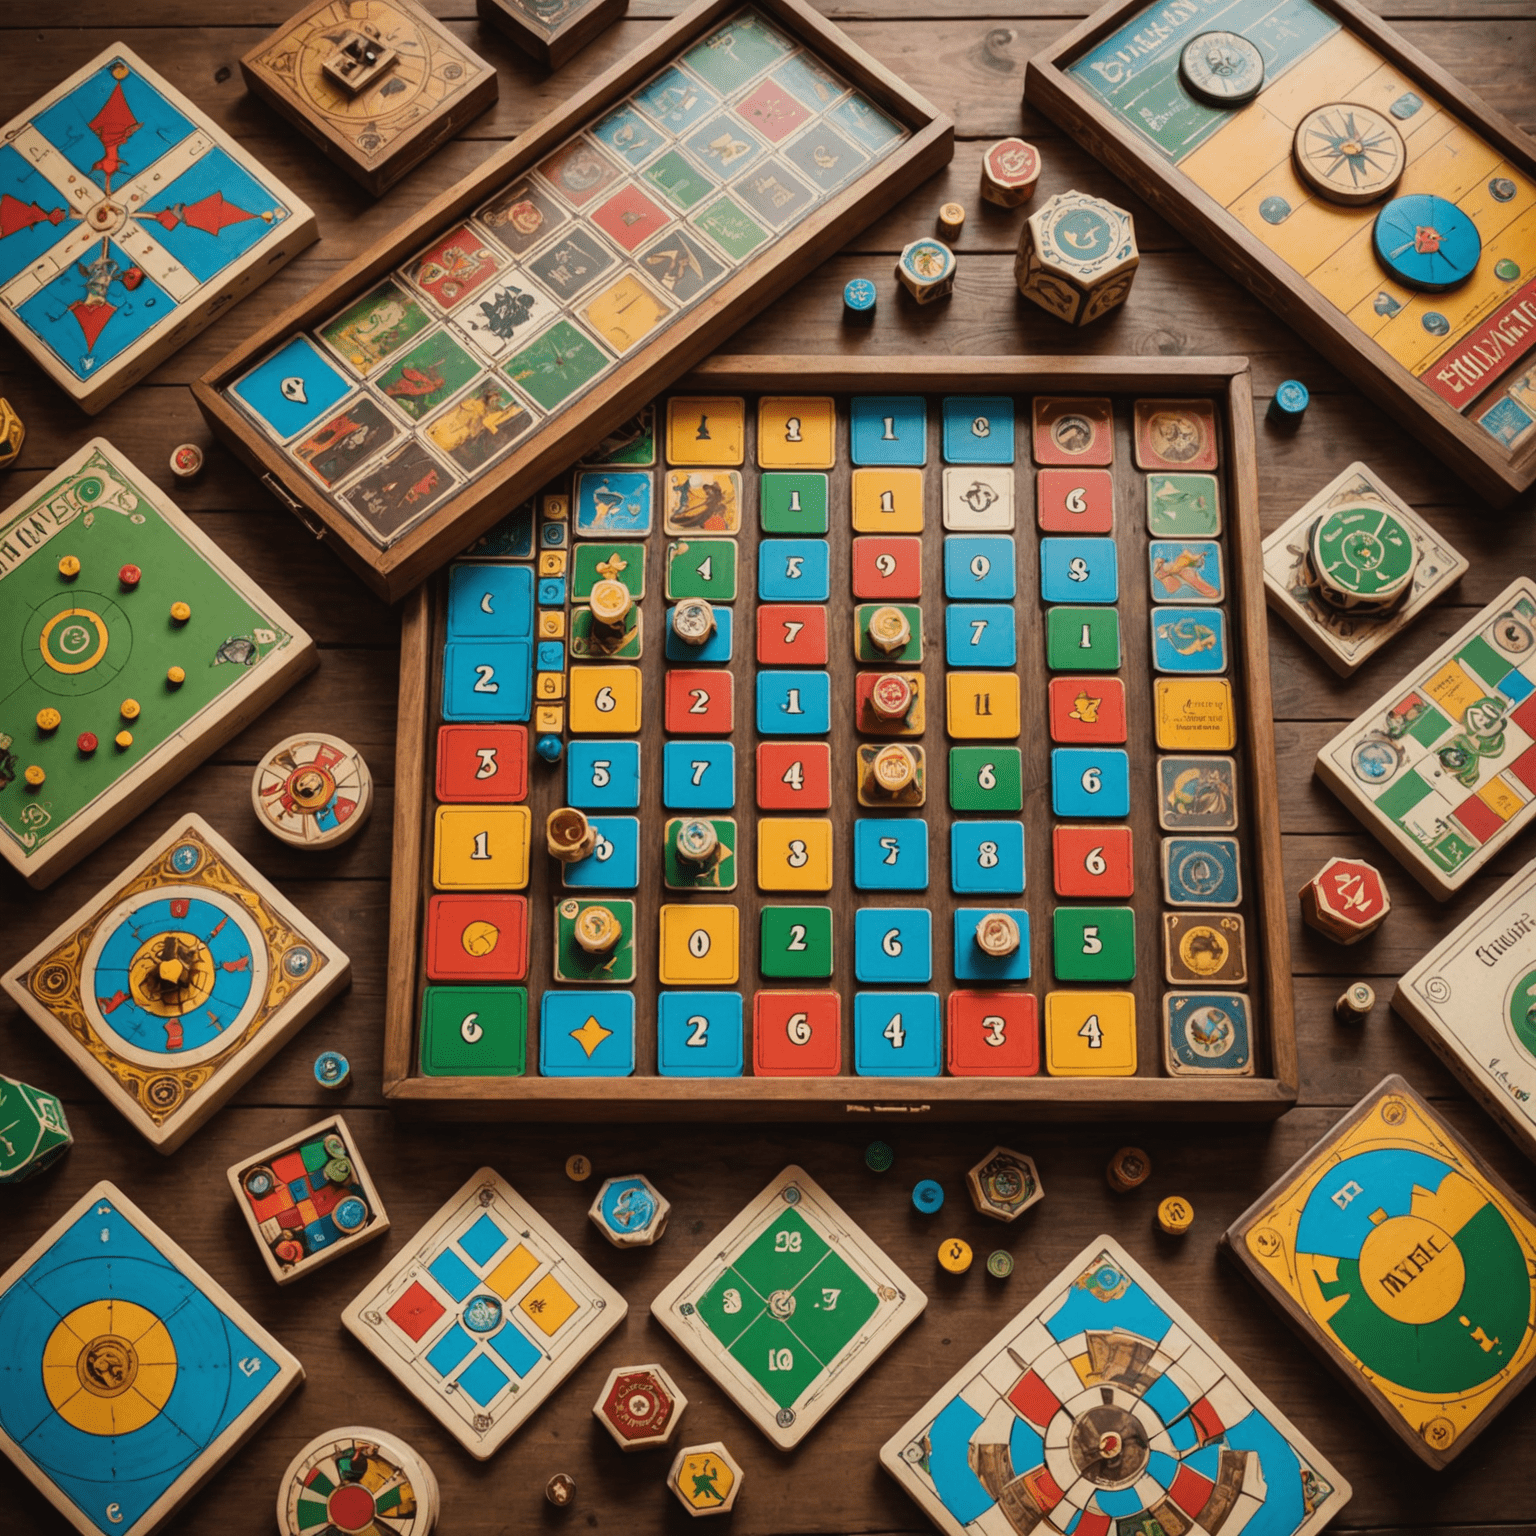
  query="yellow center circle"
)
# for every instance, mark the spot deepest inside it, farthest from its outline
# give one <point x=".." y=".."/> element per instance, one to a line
<point x="73" y="640"/>
<point x="172" y="974"/>
<point x="311" y="788"/>
<point x="479" y="937"/>
<point x="109" y="1367"/>
<point x="1412" y="1269"/>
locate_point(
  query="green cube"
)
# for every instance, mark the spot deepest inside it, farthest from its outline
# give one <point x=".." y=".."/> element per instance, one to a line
<point x="619" y="562"/>
<point x="797" y="943"/>
<point x="474" y="1031"/>
<point x="865" y="649"/>
<point x="702" y="568"/>
<point x="1082" y="639"/>
<point x="792" y="503"/>
<point x="986" y="779"/>
<point x="1094" y="943"/>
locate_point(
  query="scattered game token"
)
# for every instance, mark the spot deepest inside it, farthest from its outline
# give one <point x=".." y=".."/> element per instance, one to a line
<point x="350" y="1215"/>
<point x="49" y="719"/>
<point x="175" y="676"/>
<point x="1128" y="1169"/>
<point x="859" y="299"/>
<point x="706" y="1479"/>
<point x="549" y="748"/>
<point x="1222" y="69"/>
<point x="1004" y="1184"/>
<point x="878" y="1157"/>
<point x="630" y="1211"/>
<point x="1175" y="1215"/>
<point x="312" y="790"/>
<point x="13" y="434"/>
<point x="1350" y="153"/>
<point x="123" y="740"/>
<point x="129" y="709"/>
<point x="926" y="269"/>
<point x="954" y="1255"/>
<point x="34" y="776"/>
<point x="258" y="1182"/>
<point x="997" y="934"/>
<point x="1346" y="900"/>
<point x="338" y="1169"/>
<point x="891" y="697"/>
<point x="1355" y="1003"/>
<point x="610" y="602"/>
<point x="928" y="1196"/>
<point x="357" y="1479"/>
<point x="333" y="1145"/>
<point x="332" y="1069"/>
<point x="181" y="612"/>
<point x="1363" y="558"/>
<point x="568" y="834"/>
<point x="1009" y="171"/>
<point x="999" y="1263"/>
<point x="129" y="576"/>
<point x="69" y="567"/>
<point x="951" y="220"/>
<point x="1427" y="242"/>
<point x="889" y="629"/>
<point x="640" y="1406"/>
<point x="187" y="461"/>
<point x="578" y="1168"/>
<point x="1288" y="404"/>
<point x="86" y="743"/>
<point x="693" y="621"/>
<point x="560" y="1490"/>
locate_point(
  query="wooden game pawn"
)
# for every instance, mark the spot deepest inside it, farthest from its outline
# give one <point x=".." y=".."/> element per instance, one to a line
<point x="610" y="602"/>
<point x="597" y="930"/>
<point x="1355" y="1003"/>
<point x="997" y="934"/>
<point x="1128" y="1169"/>
<point x="697" y="841"/>
<point x="893" y="770"/>
<point x="889" y="629"/>
<point x="891" y="697"/>
<point x="693" y="621"/>
<point x="569" y="835"/>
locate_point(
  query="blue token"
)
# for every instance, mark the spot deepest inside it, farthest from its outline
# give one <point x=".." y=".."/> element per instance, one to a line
<point x="1090" y="781"/>
<point x="1079" y="571"/>
<point x="859" y="299"/>
<point x="332" y="1069"/>
<point x="897" y="1034"/>
<point x="699" y="1034"/>
<point x="986" y="858"/>
<point x="698" y="776"/>
<point x="1427" y="242"/>
<point x="549" y="748"/>
<point x="794" y="703"/>
<point x="551" y="656"/>
<point x="980" y="635"/>
<point x="928" y="1196"/>
<point x="551" y="591"/>
<point x="603" y="775"/>
<point x="794" y="570"/>
<point x="893" y="944"/>
<point x="1289" y="404"/>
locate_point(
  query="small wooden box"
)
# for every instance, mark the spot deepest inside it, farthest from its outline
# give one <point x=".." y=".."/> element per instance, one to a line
<point x="425" y="86"/>
<point x="551" y="33"/>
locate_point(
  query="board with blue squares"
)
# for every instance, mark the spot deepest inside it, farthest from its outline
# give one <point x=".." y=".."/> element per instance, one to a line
<point x="924" y="747"/>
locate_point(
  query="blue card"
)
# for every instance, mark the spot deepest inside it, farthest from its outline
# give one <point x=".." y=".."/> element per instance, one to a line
<point x="893" y="944"/>
<point x="493" y="602"/>
<point x="1079" y="571"/>
<point x="487" y="680"/>
<point x="1189" y="640"/>
<point x="698" y="776"/>
<point x="888" y="429"/>
<point x="986" y="858"/>
<point x="612" y="502"/>
<point x="794" y="571"/>
<point x="1090" y="781"/>
<point x="292" y="389"/>
<point x="980" y="635"/>
<point x="890" y="854"/>
<point x="980" y="567"/>
<point x="794" y="703"/>
<point x="1202" y="872"/>
<point x="978" y="429"/>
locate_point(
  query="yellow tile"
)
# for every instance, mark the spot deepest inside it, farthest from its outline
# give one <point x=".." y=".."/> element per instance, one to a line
<point x="1336" y="70"/>
<point x="512" y="1271"/>
<point x="700" y="945"/>
<point x="549" y="685"/>
<point x="1194" y="714"/>
<point x="706" y="429"/>
<point x="888" y="500"/>
<point x="481" y="847"/>
<point x="625" y="314"/>
<point x="552" y="624"/>
<point x="552" y="562"/>
<point x="1090" y="1034"/>
<point x="796" y="432"/>
<point x="605" y="700"/>
<point x="982" y="706"/>
<point x="1500" y="799"/>
<point x="549" y="717"/>
<point x="548" y="1305"/>
<point x="794" y="853"/>
<point x="1252" y="143"/>
<point x="1453" y="689"/>
<point x="555" y="507"/>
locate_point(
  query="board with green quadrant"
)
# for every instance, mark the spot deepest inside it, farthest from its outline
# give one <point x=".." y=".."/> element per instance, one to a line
<point x="99" y="650"/>
<point x="788" y="1307"/>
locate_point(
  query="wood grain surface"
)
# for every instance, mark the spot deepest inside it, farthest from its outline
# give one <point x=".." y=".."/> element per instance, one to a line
<point x="968" y="58"/>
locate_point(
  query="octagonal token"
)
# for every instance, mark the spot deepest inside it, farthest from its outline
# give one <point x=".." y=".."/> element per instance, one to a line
<point x="1346" y="900"/>
<point x="705" y="1478"/>
<point x="1004" y="1184"/>
<point x="640" y="1406"/>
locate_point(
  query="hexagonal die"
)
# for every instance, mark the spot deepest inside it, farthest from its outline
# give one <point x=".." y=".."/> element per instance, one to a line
<point x="926" y="269"/>
<point x="1009" y="171"/>
<point x="640" y="1406"/>
<point x="630" y="1211"/>
<point x="1004" y="1184"/>
<point x="1077" y="256"/>
<point x="706" y="1479"/>
<point x="1345" y="900"/>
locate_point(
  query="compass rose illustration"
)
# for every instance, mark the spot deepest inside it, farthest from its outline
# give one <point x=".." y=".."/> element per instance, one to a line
<point x="1349" y="153"/>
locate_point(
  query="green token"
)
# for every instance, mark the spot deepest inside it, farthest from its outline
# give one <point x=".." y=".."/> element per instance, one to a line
<point x="878" y="1157"/>
<point x="1000" y="1264"/>
<point x="338" y="1171"/>
<point x="1363" y="557"/>
<point x="334" y="1146"/>
<point x="1506" y="270"/>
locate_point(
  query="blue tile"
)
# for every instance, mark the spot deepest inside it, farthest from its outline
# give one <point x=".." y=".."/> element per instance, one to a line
<point x="483" y="1241"/>
<point x="449" y="1350"/>
<point x="1079" y="571"/>
<point x="1516" y="686"/>
<point x="890" y="854"/>
<point x="973" y="963"/>
<point x="699" y="1034"/>
<point x="453" y="1274"/>
<point x="603" y="775"/>
<point x="1201" y="872"/>
<point x="980" y="635"/>
<point x="1189" y="640"/>
<point x="716" y="649"/>
<point x="551" y="656"/>
<point x="794" y="703"/>
<point x="888" y="429"/>
<point x="978" y="429"/>
<point x="1090" y="781"/>
<point x="986" y="858"/>
<point x="490" y="602"/>
<point x="980" y="566"/>
<point x="551" y="591"/>
<point x="698" y="776"/>
<point x="562" y="1015"/>
<point x="794" y="571"/>
<point x="614" y="863"/>
<point x="517" y="1349"/>
<point x="487" y="680"/>
<point x="893" y="944"/>
<point x="483" y="1380"/>
<point x="897" y="1034"/>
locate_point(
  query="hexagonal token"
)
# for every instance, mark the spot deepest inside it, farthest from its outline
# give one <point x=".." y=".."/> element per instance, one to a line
<point x="1004" y="1184"/>
<point x="1345" y="900"/>
<point x="640" y="1406"/>
<point x="37" y="1134"/>
<point x="705" y="1478"/>
<point x="630" y="1211"/>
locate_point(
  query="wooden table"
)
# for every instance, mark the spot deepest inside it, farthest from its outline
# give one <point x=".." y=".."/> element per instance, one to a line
<point x="971" y="63"/>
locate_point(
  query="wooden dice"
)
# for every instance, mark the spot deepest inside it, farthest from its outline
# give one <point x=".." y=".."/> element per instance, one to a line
<point x="1346" y="900"/>
<point x="630" y="1211"/>
<point x="706" y="1479"/>
<point x="35" y="1132"/>
<point x="926" y="269"/>
<point x="1004" y="1184"/>
<point x="640" y="1406"/>
<point x="1077" y="256"/>
<point x="1009" y="171"/>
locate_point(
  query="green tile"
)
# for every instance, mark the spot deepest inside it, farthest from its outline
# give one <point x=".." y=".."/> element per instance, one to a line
<point x="1082" y="639"/>
<point x="792" y="502"/>
<point x="474" y="1031"/>
<point x="796" y="942"/>
<point x="1428" y="726"/>
<point x="986" y="779"/>
<point x="702" y="568"/>
<point x="1094" y="943"/>
<point x="621" y="561"/>
<point x="1480" y="658"/>
<point x="1401" y="797"/>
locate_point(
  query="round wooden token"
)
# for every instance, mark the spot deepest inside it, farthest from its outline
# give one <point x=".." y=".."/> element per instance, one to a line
<point x="889" y="629"/>
<point x="312" y="790"/>
<point x="597" y="930"/>
<point x="997" y="934"/>
<point x="999" y="1263"/>
<point x="1222" y="69"/>
<point x="1009" y="171"/>
<point x="894" y="769"/>
<point x="578" y="1168"/>
<point x="696" y="840"/>
<point x="1349" y="153"/>
<point x="891" y="697"/>
<point x="954" y="1255"/>
<point x="560" y="1490"/>
<point x="951" y="220"/>
<point x="187" y="461"/>
<point x="568" y="834"/>
<point x="693" y="621"/>
<point x="1175" y="1215"/>
<point x="1426" y="242"/>
<point x="344" y="1478"/>
<point x="610" y="602"/>
<point x="1128" y="1169"/>
<point x="1364" y="558"/>
<point x="1355" y="1003"/>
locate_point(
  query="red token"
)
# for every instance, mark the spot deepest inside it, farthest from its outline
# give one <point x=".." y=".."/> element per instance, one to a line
<point x="129" y="576"/>
<point x="890" y="696"/>
<point x="86" y="741"/>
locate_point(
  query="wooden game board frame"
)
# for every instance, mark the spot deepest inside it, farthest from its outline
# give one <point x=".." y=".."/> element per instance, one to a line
<point x="551" y="46"/>
<point x="1263" y="1096"/>
<point x="377" y="172"/>
<point x="1493" y="471"/>
<point x="650" y="368"/>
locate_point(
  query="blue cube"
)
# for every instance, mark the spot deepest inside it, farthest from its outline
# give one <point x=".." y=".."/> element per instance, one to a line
<point x="980" y="566"/>
<point x="1079" y="571"/>
<point x="490" y="602"/>
<point x="488" y="680"/>
<point x="614" y="863"/>
<point x="794" y="703"/>
<point x="973" y="963"/>
<point x="1090" y="781"/>
<point x="893" y="944"/>
<point x="716" y="649"/>
<point x="698" y="776"/>
<point x="890" y="854"/>
<point x="978" y="429"/>
<point x="569" y="1046"/>
<point x="980" y="635"/>
<point x="794" y="571"/>
<point x="699" y="1034"/>
<point x="897" y="1034"/>
<point x="603" y="775"/>
<point x="888" y="429"/>
<point x="986" y="858"/>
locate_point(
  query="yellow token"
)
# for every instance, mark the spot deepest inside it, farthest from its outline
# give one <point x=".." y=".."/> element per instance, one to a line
<point x="548" y="685"/>
<point x="955" y="1255"/>
<point x="610" y="602"/>
<point x="889" y="629"/>
<point x="887" y="500"/>
<point x="794" y="853"/>
<point x="181" y="612"/>
<point x="123" y="740"/>
<point x="549" y="718"/>
<point x="552" y="562"/>
<point x="598" y="930"/>
<point x="175" y="676"/>
<point x="48" y="719"/>
<point x="982" y="706"/>
<point x="34" y="776"/>
<point x="481" y="847"/>
<point x="69" y="567"/>
<point x="893" y="769"/>
<point x="578" y="1167"/>
<point x="700" y="945"/>
<point x="129" y="709"/>
<point x="1175" y="1215"/>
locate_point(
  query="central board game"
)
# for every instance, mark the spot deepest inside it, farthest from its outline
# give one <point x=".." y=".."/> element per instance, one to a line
<point x="911" y="728"/>
<point x="1377" y="204"/>
<point x="415" y="398"/>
